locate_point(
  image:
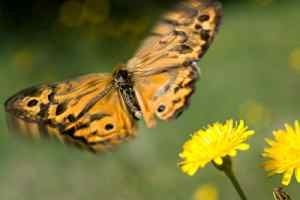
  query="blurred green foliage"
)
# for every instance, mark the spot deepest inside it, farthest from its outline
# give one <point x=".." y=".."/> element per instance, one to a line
<point x="251" y="72"/>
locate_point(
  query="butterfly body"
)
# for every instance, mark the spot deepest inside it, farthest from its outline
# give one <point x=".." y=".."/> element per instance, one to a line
<point x="123" y="81"/>
<point x="99" y="111"/>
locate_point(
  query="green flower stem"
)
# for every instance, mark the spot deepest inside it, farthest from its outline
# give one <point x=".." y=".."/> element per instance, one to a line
<point x="236" y="184"/>
<point x="226" y="167"/>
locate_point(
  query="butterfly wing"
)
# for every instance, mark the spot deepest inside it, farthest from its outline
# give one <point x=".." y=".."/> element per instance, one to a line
<point x="166" y="94"/>
<point x="182" y="36"/>
<point x="164" y="68"/>
<point x="87" y="112"/>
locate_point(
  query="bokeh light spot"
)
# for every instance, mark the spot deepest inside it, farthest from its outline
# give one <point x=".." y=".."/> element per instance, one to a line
<point x="70" y="13"/>
<point x="294" y="60"/>
<point x="206" y="192"/>
<point x="95" y="11"/>
<point x="255" y="112"/>
<point x="23" y="59"/>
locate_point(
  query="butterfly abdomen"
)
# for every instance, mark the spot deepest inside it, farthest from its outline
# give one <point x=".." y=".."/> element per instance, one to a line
<point x="124" y="83"/>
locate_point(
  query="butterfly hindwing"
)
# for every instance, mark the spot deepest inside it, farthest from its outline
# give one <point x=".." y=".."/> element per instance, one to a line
<point x="166" y="94"/>
<point x="86" y="111"/>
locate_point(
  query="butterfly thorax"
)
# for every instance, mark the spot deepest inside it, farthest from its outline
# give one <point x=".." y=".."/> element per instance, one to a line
<point x="123" y="82"/>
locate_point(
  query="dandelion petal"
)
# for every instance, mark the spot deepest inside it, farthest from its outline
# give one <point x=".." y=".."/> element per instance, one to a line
<point x="297" y="173"/>
<point x="218" y="161"/>
<point x="286" y="179"/>
<point x="243" y="147"/>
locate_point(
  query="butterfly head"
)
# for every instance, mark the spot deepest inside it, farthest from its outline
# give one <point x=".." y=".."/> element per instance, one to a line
<point x="122" y="78"/>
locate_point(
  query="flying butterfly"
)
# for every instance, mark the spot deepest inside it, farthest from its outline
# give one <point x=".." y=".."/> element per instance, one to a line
<point x="98" y="111"/>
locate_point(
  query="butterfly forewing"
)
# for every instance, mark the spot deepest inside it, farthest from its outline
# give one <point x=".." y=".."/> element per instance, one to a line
<point x="182" y="36"/>
<point x="166" y="61"/>
<point x="87" y="111"/>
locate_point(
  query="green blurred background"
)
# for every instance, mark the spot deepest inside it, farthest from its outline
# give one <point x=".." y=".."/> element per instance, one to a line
<point x="251" y="72"/>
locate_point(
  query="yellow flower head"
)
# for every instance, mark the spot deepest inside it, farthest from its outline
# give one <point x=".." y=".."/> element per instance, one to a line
<point x="284" y="153"/>
<point x="213" y="144"/>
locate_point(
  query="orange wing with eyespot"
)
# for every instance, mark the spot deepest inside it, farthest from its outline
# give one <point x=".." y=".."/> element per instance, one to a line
<point x="87" y="112"/>
<point x="165" y="68"/>
<point x="165" y="95"/>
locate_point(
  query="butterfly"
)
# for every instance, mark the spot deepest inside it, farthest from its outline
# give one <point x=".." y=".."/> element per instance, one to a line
<point x="99" y="111"/>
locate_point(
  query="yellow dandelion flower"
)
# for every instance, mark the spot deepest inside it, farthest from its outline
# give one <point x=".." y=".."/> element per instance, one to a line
<point x="214" y="144"/>
<point x="283" y="153"/>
